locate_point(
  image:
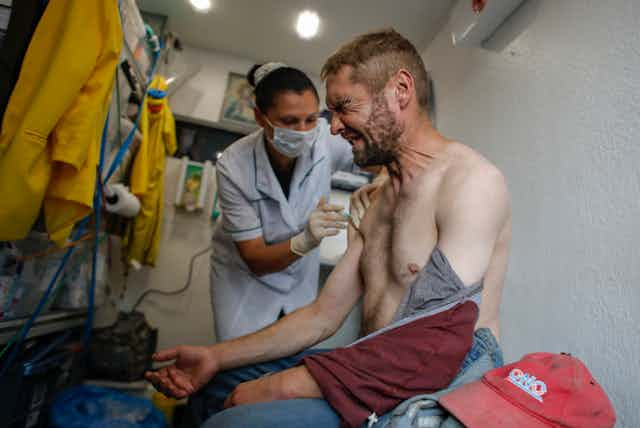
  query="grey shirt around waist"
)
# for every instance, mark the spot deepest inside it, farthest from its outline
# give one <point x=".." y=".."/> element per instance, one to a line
<point x="437" y="288"/>
<point x="437" y="285"/>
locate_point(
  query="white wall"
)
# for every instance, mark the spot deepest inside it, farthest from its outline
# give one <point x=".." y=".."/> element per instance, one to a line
<point x="201" y="96"/>
<point x="555" y="103"/>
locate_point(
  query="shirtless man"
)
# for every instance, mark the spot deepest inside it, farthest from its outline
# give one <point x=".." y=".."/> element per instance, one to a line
<point x="440" y="195"/>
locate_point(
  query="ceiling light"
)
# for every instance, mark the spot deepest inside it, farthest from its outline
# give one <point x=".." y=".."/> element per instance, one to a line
<point x="201" y="5"/>
<point x="308" y="22"/>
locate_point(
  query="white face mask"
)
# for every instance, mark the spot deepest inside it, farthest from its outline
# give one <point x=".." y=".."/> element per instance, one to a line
<point x="292" y="143"/>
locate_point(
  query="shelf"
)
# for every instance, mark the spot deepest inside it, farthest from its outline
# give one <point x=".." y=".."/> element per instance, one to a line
<point x="45" y="324"/>
<point x="226" y="126"/>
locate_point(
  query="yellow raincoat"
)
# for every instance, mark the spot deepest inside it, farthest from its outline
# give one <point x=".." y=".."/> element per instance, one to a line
<point x="50" y="139"/>
<point x="147" y="177"/>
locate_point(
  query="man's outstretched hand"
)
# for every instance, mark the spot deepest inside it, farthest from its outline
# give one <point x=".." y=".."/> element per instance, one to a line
<point x="192" y="368"/>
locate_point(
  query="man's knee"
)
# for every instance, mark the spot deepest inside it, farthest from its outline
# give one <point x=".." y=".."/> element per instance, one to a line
<point x="210" y="398"/>
<point x="299" y="413"/>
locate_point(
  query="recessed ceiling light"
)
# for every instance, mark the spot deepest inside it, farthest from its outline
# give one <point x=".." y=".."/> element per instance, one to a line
<point x="308" y="23"/>
<point x="201" y="5"/>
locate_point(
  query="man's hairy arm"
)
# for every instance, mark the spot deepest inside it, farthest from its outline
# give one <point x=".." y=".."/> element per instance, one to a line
<point x="306" y="326"/>
<point x="494" y="282"/>
<point x="339" y="295"/>
<point x="194" y="366"/>
<point x="471" y="215"/>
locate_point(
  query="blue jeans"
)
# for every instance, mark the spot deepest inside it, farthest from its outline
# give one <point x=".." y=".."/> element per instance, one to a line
<point x="302" y="413"/>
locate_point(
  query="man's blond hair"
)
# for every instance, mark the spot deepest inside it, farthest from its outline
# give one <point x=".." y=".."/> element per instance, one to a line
<point x="377" y="56"/>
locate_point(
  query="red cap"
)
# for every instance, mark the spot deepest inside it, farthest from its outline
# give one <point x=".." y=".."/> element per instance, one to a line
<point x="539" y="391"/>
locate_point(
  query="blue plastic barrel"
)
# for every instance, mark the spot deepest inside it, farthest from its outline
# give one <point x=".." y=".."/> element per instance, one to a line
<point x="95" y="407"/>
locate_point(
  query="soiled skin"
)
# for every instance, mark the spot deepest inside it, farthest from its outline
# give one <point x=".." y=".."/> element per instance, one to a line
<point x="438" y="193"/>
<point x="401" y="229"/>
<point x="435" y="183"/>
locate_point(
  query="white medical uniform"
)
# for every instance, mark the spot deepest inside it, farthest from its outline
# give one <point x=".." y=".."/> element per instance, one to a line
<point x="252" y="204"/>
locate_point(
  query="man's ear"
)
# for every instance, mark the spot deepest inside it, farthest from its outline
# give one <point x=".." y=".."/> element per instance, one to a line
<point x="404" y="88"/>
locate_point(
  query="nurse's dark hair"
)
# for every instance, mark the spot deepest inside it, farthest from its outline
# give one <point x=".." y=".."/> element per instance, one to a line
<point x="279" y="80"/>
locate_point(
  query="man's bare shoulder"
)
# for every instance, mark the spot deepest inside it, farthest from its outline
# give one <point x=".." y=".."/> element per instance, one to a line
<point x="470" y="176"/>
<point x="466" y="166"/>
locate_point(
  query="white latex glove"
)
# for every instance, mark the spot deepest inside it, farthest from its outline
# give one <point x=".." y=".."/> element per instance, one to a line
<point x="325" y="220"/>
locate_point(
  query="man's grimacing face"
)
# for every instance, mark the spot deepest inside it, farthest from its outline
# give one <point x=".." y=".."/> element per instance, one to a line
<point x="363" y="119"/>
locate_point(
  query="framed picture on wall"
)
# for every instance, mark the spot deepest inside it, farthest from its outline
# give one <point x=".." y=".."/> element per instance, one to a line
<point x="237" y="106"/>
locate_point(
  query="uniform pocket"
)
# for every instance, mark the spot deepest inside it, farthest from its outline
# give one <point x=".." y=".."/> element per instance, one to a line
<point x="31" y="152"/>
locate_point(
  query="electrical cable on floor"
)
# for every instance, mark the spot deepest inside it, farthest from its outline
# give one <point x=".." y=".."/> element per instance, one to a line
<point x="181" y="290"/>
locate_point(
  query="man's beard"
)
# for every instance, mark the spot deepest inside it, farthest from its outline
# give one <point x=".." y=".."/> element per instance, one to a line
<point x="381" y="136"/>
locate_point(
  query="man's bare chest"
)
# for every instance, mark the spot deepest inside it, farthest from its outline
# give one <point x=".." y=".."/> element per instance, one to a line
<point x="399" y="234"/>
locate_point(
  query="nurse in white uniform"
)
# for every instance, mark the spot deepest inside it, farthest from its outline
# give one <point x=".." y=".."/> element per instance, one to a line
<point x="273" y="186"/>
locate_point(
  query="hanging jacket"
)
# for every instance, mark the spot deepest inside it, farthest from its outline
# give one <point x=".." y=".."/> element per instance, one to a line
<point x="50" y="139"/>
<point x="147" y="175"/>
